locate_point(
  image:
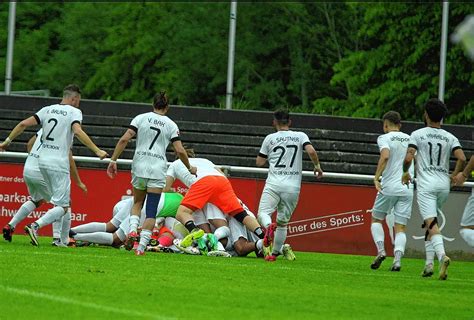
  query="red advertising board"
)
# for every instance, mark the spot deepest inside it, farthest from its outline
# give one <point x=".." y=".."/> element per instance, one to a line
<point x="328" y="218"/>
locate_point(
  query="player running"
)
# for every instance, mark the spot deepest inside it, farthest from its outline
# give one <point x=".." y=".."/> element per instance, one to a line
<point x="391" y="193"/>
<point x="284" y="151"/>
<point x="154" y="131"/>
<point x="37" y="189"/>
<point x="467" y="220"/>
<point x="59" y="122"/>
<point x="431" y="147"/>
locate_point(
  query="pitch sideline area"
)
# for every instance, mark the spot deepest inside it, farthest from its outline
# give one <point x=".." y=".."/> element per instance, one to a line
<point x="102" y="283"/>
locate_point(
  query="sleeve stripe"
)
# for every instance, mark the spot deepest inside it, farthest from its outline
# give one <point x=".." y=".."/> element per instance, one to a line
<point x="306" y="143"/>
<point x="262" y="155"/>
<point x="37" y="118"/>
<point x="133" y="128"/>
<point x="175" y="139"/>
<point x="75" y="121"/>
<point x="413" y="146"/>
<point x="456" y="148"/>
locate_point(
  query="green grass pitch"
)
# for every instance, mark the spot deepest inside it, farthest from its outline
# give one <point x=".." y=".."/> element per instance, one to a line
<point x="104" y="283"/>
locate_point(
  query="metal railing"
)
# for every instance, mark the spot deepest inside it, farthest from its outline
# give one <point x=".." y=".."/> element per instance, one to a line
<point x="348" y="176"/>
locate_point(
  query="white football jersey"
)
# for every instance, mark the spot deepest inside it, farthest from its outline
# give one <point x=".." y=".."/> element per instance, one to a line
<point x="205" y="168"/>
<point x="397" y="143"/>
<point x="154" y="133"/>
<point x="434" y="147"/>
<point x="56" y="121"/>
<point x="31" y="162"/>
<point x="284" y="151"/>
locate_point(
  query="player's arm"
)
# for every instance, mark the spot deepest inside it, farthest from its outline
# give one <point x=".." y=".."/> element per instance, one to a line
<point x="75" y="173"/>
<point x="460" y="161"/>
<point x="169" y="184"/>
<point x="318" y="172"/>
<point x="261" y="159"/>
<point x="30" y="143"/>
<point x="383" y="159"/>
<point x="183" y="156"/>
<point x="119" y="147"/>
<point x="86" y="140"/>
<point x="410" y="155"/>
<point x="462" y="176"/>
<point x="19" y="128"/>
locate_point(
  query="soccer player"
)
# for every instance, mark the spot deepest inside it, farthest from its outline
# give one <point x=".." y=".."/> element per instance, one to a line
<point x="284" y="151"/>
<point x="391" y="193"/>
<point x="431" y="147"/>
<point x="37" y="187"/>
<point x="154" y="131"/>
<point x="467" y="220"/>
<point x="209" y="185"/>
<point x="59" y="122"/>
<point x="242" y="242"/>
<point x="114" y="232"/>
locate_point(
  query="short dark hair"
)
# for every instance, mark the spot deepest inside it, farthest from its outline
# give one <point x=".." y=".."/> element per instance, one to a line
<point x="436" y="109"/>
<point x="393" y="117"/>
<point x="71" y="90"/>
<point x="282" y="116"/>
<point x="160" y="100"/>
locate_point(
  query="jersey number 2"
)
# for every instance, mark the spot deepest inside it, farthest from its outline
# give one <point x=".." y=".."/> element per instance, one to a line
<point x="283" y="150"/>
<point x="48" y="136"/>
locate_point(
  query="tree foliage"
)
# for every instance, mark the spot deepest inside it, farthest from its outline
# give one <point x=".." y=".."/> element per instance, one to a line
<point x="351" y="59"/>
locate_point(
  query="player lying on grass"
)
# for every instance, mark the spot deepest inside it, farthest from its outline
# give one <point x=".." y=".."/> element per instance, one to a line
<point x="209" y="185"/>
<point x="39" y="193"/>
<point x="467" y="220"/>
<point x="114" y="232"/>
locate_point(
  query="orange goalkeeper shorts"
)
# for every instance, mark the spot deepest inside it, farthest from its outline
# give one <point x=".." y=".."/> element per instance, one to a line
<point x="216" y="190"/>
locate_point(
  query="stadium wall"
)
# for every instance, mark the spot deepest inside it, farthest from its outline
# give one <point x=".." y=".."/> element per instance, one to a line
<point x="198" y="114"/>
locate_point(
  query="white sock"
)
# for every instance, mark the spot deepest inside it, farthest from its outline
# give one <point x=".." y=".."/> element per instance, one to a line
<point x="430" y="253"/>
<point x="52" y="215"/>
<point x="264" y="220"/>
<point x="104" y="238"/>
<point x="468" y="236"/>
<point x="438" y="245"/>
<point x="65" y="227"/>
<point x="279" y="239"/>
<point x="379" y="236"/>
<point x="145" y="236"/>
<point x="90" y="227"/>
<point x="25" y="209"/>
<point x="57" y="229"/>
<point x="220" y="246"/>
<point x="259" y="244"/>
<point x="222" y="232"/>
<point x="399" y="248"/>
<point x="134" y="222"/>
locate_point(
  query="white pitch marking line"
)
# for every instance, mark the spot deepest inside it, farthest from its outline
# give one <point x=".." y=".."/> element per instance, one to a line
<point x="90" y="305"/>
